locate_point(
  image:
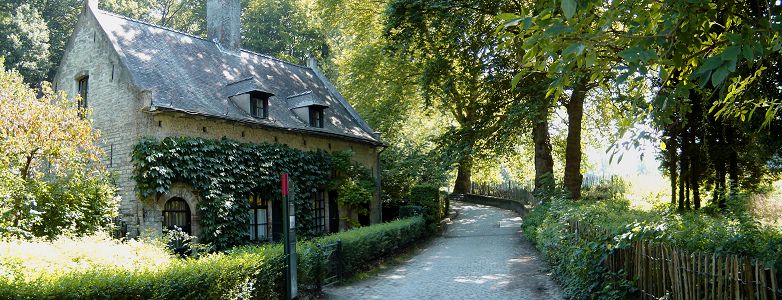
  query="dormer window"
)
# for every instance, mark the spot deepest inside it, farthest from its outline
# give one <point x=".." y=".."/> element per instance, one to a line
<point x="316" y="116"/>
<point x="309" y="108"/>
<point x="250" y="95"/>
<point x="259" y="105"/>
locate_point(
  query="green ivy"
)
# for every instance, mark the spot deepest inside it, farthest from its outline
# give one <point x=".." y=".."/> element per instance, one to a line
<point x="353" y="182"/>
<point x="224" y="172"/>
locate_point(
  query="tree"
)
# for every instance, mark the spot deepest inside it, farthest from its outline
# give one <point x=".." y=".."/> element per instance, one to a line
<point x="383" y="89"/>
<point x="51" y="177"/>
<point x="570" y="46"/>
<point x="24" y="42"/>
<point x="452" y="42"/>
<point x="280" y="28"/>
<point x="183" y="15"/>
<point x="706" y="60"/>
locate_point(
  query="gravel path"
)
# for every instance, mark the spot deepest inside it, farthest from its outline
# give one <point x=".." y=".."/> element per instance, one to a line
<point x="480" y="256"/>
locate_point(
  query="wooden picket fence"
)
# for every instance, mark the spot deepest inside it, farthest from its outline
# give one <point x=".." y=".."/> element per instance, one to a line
<point x="663" y="272"/>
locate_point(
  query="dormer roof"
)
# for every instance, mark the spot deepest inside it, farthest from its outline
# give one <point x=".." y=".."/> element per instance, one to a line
<point x="306" y="99"/>
<point x="245" y="86"/>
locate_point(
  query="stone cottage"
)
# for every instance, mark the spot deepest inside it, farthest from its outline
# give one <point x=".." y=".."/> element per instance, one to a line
<point x="143" y="80"/>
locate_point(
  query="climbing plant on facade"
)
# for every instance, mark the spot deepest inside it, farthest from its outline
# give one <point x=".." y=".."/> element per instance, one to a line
<point x="353" y="183"/>
<point x="224" y="172"/>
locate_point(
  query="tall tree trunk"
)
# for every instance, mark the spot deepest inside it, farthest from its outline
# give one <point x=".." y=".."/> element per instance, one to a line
<point x="687" y="194"/>
<point x="694" y="169"/>
<point x="734" y="172"/>
<point x="719" y="193"/>
<point x="682" y="167"/>
<point x="463" y="174"/>
<point x="544" y="163"/>
<point x="575" y="112"/>
<point x="673" y="148"/>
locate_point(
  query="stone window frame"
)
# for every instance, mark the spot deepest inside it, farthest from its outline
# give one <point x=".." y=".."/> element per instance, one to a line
<point x="186" y="192"/>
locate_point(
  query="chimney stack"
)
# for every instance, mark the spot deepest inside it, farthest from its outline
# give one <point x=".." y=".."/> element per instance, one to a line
<point x="222" y="23"/>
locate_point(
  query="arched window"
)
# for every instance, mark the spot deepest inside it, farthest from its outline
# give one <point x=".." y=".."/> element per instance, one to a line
<point x="259" y="218"/>
<point x="176" y="213"/>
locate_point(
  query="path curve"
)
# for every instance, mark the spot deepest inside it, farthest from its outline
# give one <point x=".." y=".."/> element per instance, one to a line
<point x="481" y="256"/>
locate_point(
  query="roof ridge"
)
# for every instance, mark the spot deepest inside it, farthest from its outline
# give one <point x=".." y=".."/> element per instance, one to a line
<point x="196" y="37"/>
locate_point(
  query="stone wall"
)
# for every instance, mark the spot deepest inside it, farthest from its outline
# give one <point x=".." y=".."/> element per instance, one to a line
<point x="114" y="105"/>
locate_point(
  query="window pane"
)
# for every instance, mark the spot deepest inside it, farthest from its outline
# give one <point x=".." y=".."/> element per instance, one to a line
<point x="261" y="216"/>
<point x="261" y="231"/>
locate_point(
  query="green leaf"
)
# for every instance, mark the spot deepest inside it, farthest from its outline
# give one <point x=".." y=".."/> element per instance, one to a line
<point x="704" y="79"/>
<point x="569" y="8"/>
<point x="515" y="80"/>
<point x="575" y="48"/>
<point x="709" y="64"/>
<point x="507" y="17"/>
<point x="719" y="75"/>
<point x="731" y="53"/>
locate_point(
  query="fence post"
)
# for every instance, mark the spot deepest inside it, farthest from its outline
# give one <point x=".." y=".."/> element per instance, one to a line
<point x="340" y="261"/>
<point x="319" y="269"/>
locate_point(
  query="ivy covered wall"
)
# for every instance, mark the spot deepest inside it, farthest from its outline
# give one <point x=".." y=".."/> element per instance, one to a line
<point x="224" y="172"/>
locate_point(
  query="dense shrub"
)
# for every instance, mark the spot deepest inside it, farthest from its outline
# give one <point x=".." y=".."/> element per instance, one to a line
<point x="577" y="262"/>
<point x="248" y="272"/>
<point x="428" y="197"/>
<point x="410" y="210"/>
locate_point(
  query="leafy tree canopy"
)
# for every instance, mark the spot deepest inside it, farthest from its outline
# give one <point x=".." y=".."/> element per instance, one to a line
<point x="51" y="177"/>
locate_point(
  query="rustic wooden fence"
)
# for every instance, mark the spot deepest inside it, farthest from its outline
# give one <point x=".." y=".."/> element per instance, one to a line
<point x="509" y="190"/>
<point x="663" y="272"/>
<point x="590" y="181"/>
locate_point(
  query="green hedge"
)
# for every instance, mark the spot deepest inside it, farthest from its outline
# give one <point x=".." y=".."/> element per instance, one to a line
<point x="249" y="272"/>
<point x="365" y="244"/>
<point x="428" y="197"/>
<point x="577" y="262"/>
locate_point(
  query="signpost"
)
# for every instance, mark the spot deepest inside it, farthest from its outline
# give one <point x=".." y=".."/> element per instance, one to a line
<point x="289" y="239"/>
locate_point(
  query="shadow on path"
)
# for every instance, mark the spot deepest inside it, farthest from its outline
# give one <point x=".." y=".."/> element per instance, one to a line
<point x="480" y="256"/>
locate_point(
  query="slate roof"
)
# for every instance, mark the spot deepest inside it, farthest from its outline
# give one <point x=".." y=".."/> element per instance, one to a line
<point x="188" y="74"/>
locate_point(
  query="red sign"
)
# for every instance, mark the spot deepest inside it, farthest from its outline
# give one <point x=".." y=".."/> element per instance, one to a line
<point x="284" y="184"/>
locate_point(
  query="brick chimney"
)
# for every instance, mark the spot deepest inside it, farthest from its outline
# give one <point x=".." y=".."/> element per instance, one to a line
<point x="222" y="23"/>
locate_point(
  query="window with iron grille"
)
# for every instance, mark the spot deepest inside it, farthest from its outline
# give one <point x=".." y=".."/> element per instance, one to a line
<point x="259" y="218"/>
<point x="320" y="211"/>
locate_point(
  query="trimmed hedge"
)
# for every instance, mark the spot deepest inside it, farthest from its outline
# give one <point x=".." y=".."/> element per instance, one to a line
<point x="428" y="197"/>
<point x="249" y="272"/>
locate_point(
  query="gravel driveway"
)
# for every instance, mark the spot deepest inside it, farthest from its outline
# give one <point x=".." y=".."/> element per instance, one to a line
<point x="481" y="256"/>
